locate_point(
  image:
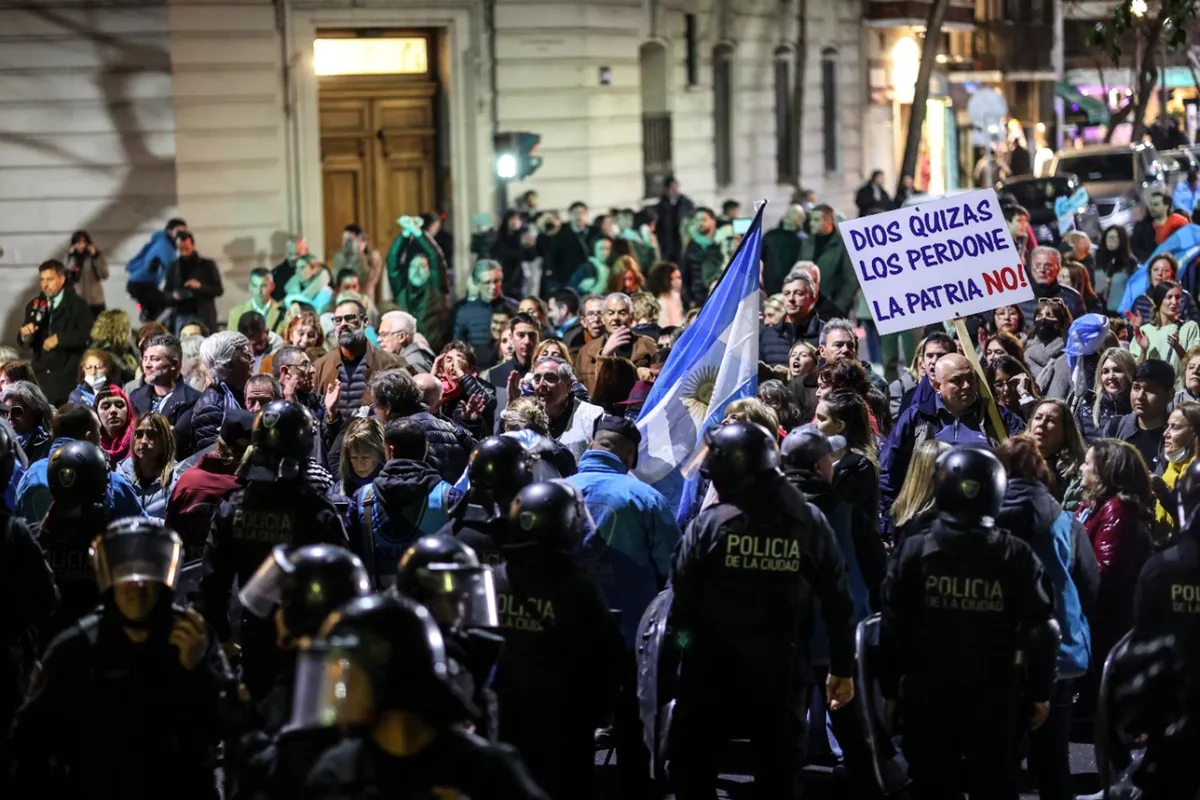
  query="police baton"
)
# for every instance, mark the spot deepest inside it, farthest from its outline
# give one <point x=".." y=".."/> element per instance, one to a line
<point x="985" y="391"/>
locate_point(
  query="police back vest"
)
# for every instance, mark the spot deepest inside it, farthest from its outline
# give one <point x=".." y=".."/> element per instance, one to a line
<point x="386" y="538"/>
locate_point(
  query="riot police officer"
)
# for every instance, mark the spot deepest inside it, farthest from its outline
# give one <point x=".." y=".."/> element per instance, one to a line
<point x="500" y="466"/>
<point x="445" y="576"/>
<point x="299" y="589"/>
<point x="277" y="506"/>
<point x="563" y="654"/>
<point x="968" y="624"/>
<point x="128" y="701"/>
<point x="1167" y="603"/>
<point x="78" y="478"/>
<point x="394" y="687"/>
<point x="27" y="595"/>
<point x="746" y="575"/>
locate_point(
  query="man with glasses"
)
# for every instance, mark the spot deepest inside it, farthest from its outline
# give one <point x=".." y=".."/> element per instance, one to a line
<point x="398" y="335"/>
<point x="572" y="421"/>
<point x="347" y="369"/>
<point x="619" y="341"/>
<point x="163" y="391"/>
<point x="1043" y="268"/>
<point x="475" y="319"/>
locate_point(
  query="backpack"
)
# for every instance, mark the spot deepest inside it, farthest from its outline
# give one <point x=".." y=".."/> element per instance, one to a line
<point x="414" y="521"/>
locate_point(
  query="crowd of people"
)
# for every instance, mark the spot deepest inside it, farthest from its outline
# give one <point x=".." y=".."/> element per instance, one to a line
<point x="351" y="475"/>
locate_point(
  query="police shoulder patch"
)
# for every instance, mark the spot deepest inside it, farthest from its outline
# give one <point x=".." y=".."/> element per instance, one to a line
<point x="270" y="419"/>
<point x="66" y="477"/>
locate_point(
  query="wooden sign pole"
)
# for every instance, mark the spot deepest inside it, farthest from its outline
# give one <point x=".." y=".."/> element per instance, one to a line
<point x="985" y="391"/>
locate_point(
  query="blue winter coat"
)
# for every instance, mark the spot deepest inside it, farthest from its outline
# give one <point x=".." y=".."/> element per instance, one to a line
<point x="629" y="552"/>
<point x="33" y="492"/>
<point x="150" y="263"/>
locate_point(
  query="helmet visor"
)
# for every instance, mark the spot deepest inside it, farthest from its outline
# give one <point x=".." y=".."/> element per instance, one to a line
<point x="136" y="557"/>
<point x="332" y="689"/>
<point x="262" y="593"/>
<point x="460" y="596"/>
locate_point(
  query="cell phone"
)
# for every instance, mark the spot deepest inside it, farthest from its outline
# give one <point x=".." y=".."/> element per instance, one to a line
<point x="741" y="225"/>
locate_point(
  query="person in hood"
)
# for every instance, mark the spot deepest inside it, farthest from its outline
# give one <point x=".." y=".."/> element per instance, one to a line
<point x="1031" y="513"/>
<point x="117" y="421"/>
<point x="148" y="268"/>
<point x="407" y="500"/>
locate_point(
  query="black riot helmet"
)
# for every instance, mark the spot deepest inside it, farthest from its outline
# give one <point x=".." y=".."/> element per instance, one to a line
<point x="78" y="477"/>
<point x="548" y="517"/>
<point x="1188" y="489"/>
<point x="444" y="575"/>
<point x="139" y="551"/>
<point x="377" y="653"/>
<point x="8" y="455"/>
<point x="500" y="466"/>
<point x="283" y="441"/>
<point x="307" y="583"/>
<point x="969" y="485"/>
<point x="738" y="454"/>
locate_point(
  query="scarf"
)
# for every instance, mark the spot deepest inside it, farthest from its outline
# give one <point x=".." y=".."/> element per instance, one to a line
<point x="116" y="446"/>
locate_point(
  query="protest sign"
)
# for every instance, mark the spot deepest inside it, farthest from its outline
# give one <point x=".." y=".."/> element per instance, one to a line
<point x="932" y="262"/>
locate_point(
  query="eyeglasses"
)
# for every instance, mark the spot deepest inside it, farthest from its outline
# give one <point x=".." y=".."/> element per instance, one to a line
<point x="1057" y="301"/>
<point x="95" y="369"/>
<point x="348" y="319"/>
<point x="593" y="313"/>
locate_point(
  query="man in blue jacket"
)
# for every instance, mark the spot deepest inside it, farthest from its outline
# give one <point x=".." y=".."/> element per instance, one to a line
<point x="72" y="422"/>
<point x="628" y="554"/>
<point x="148" y="268"/>
<point x="955" y="414"/>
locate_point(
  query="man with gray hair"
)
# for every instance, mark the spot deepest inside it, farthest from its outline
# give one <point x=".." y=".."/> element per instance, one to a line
<point x="227" y="357"/>
<point x="395" y="394"/>
<point x="397" y="335"/>
<point x="619" y="341"/>
<point x="1044" y="265"/>
<point x="839" y="342"/>
<point x="572" y="421"/>
<point x="800" y="321"/>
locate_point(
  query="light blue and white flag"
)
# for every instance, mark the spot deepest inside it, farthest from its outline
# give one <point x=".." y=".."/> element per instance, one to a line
<point x="714" y="363"/>
<point x="1183" y="244"/>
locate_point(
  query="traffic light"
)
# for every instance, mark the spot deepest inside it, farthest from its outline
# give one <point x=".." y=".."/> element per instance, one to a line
<point x="515" y="159"/>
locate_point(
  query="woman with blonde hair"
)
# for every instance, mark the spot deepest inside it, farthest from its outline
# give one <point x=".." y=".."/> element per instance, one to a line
<point x="150" y="467"/>
<point x="913" y="508"/>
<point x="1110" y="394"/>
<point x="111" y="332"/>
<point x="751" y="409"/>
<point x="363" y="455"/>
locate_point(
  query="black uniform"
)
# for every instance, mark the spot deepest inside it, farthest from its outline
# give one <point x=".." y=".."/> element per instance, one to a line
<point x="29" y="597"/>
<point x="746" y="578"/>
<point x="245" y="529"/>
<point x="114" y="720"/>
<point x="1167" y="602"/>
<point x="968" y="625"/>
<point x="472" y="525"/>
<point x="563" y="657"/>
<point x="455" y="764"/>
<point x="396" y="648"/>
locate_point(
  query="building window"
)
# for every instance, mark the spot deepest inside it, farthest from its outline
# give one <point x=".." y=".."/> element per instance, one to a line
<point x="786" y="141"/>
<point x="656" y="116"/>
<point x="829" y="110"/>
<point x="723" y="112"/>
<point x="370" y="56"/>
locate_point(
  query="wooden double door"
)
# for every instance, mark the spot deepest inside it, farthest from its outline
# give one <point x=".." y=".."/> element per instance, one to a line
<point x="378" y="158"/>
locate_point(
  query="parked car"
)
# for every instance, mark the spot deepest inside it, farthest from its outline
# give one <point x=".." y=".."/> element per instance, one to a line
<point x="1038" y="196"/>
<point x="1188" y="159"/>
<point x="1117" y="177"/>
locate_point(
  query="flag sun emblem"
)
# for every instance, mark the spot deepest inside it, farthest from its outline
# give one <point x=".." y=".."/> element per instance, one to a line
<point x="697" y="391"/>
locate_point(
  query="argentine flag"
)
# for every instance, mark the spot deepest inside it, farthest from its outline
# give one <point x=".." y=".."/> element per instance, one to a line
<point x="1184" y="244"/>
<point x="714" y="363"/>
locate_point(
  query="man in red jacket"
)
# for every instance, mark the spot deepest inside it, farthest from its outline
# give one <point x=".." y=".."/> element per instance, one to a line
<point x="201" y="488"/>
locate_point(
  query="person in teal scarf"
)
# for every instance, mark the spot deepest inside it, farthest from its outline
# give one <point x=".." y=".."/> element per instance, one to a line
<point x="419" y="277"/>
<point x="702" y="260"/>
<point x="592" y="277"/>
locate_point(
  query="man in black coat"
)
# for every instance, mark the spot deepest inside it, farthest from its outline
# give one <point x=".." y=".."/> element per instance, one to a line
<point x="192" y="286"/>
<point x="56" y="328"/>
<point x="164" y="392"/>
<point x="673" y="209"/>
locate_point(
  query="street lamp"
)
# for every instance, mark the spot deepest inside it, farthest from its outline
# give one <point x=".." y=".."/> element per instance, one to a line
<point x="1138" y="8"/>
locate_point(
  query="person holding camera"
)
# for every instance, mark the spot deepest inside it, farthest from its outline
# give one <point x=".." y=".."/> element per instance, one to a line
<point x="86" y="271"/>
